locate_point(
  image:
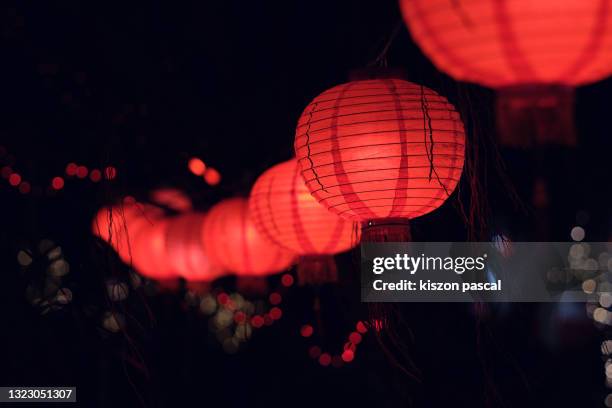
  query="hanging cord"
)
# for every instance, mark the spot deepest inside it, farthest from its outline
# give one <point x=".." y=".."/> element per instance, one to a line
<point x="381" y="58"/>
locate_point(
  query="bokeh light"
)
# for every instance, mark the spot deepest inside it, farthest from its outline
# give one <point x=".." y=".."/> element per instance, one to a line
<point x="196" y="166"/>
<point x="71" y="169"/>
<point x="14" y="179"/>
<point x="212" y="176"/>
<point x="57" y="183"/>
<point x="95" y="175"/>
<point x="577" y="233"/>
<point x="82" y="172"/>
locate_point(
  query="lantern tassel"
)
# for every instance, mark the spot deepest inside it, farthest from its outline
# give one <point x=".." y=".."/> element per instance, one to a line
<point x="254" y="286"/>
<point x="535" y="115"/>
<point x="317" y="270"/>
<point x="386" y="230"/>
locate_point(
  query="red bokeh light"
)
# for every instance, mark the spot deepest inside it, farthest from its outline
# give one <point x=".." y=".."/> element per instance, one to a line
<point x="239" y="317"/>
<point x="257" y="321"/>
<point x="110" y="173"/>
<point x="212" y="176"/>
<point x="82" y="172"/>
<point x="355" y="338"/>
<point x="223" y="298"/>
<point x="287" y="280"/>
<point x="275" y="298"/>
<point x="14" y="179"/>
<point x="276" y="313"/>
<point x="25" y="188"/>
<point x="71" y="169"/>
<point x="325" y="359"/>
<point x="361" y="327"/>
<point x="57" y="183"/>
<point x="348" y="356"/>
<point x="196" y="166"/>
<point x="95" y="175"/>
<point x="306" y="330"/>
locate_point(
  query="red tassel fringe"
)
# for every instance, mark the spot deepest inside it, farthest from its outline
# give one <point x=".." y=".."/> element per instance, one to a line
<point x="386" y="230"/>
<point x="317" y="270"/>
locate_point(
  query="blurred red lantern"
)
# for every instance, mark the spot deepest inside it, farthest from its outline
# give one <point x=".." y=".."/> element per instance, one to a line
<point x="534" y="52"/>
<point x="119" y="225"/>
<point x="185" y="252"/>
<point x="232" y="241"/>
<point x="285" y="212"/>
<point x="150" y="255"/>
<point x="507" y="43"/>
<point x="382" y="152"/>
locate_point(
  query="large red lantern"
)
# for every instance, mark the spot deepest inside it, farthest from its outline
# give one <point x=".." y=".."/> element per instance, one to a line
<point x="232" y="242"/>
<point x="380" y="152"/>
<point x="184" y="249"/>
<point x="501" y="43"/>
<point x="533" y="52"/>
<point x="285" y="212"/>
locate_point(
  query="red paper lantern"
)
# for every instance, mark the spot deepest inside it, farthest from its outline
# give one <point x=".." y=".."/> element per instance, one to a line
<point x="137" y="233"/>
<point x="533" y="52"/>
<point x="381" y="152"/>
<point x="185" y="251"/>
<point x="150" y="256"/>
<point x="500" y="43"/>
<point x="285" y="212"/>
<point x="119" y="225"/>
<point x="232" y="241"/>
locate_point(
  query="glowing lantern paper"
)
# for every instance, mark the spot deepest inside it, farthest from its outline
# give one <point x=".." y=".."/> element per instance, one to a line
<point x="232" y="242"/>
<point x="185" y="251"/>
<point x="150" y="256"/>
<point x="284" y="211"/>
<point x="381" y="152"/>
<point x="119" y="225"/>
<point x="533" y="52"/>
<point x="137" y="233"/>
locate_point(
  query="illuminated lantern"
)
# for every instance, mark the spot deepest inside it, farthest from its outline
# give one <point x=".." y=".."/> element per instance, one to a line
<point x="284" y="211"/>
<point x="119" y="225"/>
<point x="232" y="242"/>
<point x="184" y="250"/>
<point x="533" y="52"/>
<point x="150" y="256"/>
<point x="137" y="233"/>
<point x="381" y="152"/>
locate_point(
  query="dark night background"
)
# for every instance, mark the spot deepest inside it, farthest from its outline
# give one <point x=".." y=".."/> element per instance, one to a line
<point x="144" y="86"/>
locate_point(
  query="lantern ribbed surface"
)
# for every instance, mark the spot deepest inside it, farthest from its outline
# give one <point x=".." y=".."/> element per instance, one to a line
<point x="185" y="250"/>
<point x="500" y="43"/>
<point x="232" y="241"/>
<point x="285" y="212"/>
<point x="380" y="149"/>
